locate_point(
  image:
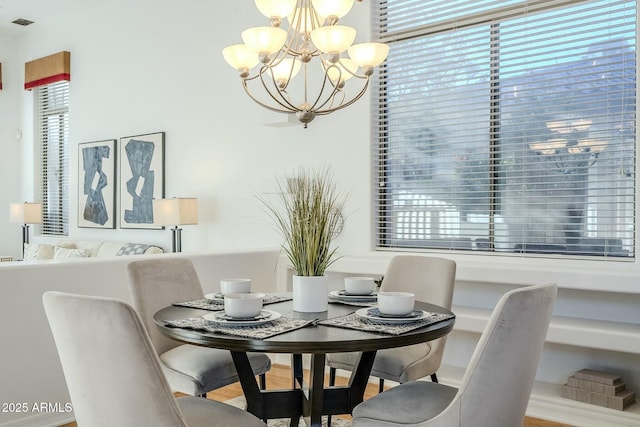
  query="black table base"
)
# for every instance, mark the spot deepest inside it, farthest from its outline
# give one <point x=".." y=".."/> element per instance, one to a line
<point x="303" y="400"/>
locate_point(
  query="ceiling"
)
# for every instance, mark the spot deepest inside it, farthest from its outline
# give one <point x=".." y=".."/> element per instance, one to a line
<point x="38" y="11"/>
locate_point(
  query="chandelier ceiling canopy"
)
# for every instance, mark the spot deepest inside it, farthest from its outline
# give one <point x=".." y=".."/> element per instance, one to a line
<point x="304" y="68"/>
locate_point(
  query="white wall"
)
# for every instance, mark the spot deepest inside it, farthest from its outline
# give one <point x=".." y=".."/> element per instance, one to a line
<point x="10" y="160"/>
<point x="157" y="66"/>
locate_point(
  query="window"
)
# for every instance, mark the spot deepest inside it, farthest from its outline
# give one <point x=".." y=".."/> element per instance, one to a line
<point x="507" y="126"/>
<point x="52" y="136"/>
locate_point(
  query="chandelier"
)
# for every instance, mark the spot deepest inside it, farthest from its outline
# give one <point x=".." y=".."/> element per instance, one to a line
<point x="303" y="69"/>
<point x="570" y="149"/>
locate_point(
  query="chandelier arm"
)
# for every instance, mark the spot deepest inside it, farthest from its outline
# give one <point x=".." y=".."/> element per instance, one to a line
<point x="298" y="50"/>
<point x="295" y="30"/>
<point x="339" y="107"/>
<point x="285" y="108"/>
<point x="315" y="106"/>
<point x="281" y="100"/>
<point x="348" y="103"/>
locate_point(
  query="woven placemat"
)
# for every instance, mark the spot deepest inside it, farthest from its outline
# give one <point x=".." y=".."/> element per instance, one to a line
<point x="353" y="321"/>
<point x="265" y="330"/>
<point x="218" y="305"/>
<point x="353" y="303"/>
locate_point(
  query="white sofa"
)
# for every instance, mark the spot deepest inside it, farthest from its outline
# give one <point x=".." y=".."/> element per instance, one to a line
<point x="30" y="372"/>
<point x="66" y="249"/>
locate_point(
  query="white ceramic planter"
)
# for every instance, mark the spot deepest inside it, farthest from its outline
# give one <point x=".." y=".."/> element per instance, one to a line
<point x="310" y="293"/>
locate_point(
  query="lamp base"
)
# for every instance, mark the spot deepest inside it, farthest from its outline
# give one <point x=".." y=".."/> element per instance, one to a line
<point x="25" y="237"/>
<point x="176" y="244"/>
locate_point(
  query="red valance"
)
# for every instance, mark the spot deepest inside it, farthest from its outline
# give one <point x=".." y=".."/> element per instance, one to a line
<point x="50" y="69"/>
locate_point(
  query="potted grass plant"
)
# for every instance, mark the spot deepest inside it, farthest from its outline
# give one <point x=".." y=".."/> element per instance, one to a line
<point x="309" y="217"/>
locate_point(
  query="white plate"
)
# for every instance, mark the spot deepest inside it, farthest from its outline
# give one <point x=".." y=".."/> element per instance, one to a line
<point x="221" y="318"/>
<point x="350" y="297"/>
<point x="364" y="312"/>
<point x="216" y="296"/>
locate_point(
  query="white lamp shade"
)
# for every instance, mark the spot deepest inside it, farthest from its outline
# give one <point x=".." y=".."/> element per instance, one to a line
<point x="333" y="38"/>
<point x="337" y="8"/>
<point x="240" y="57"/>
<point x="25" y="213"/>
<point x="342" y="70"/>
<point x="275" y="8"/>
<point x="176" y="211"/>
<point x="265" y="40"/>
<point x="369" y="54"/>
<point x="283" y="71"/>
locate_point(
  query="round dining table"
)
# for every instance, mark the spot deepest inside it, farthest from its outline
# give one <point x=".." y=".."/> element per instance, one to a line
<point x="311" y="399"/>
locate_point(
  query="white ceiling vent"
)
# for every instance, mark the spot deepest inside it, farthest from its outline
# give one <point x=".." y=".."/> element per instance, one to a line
<point x="22" y="21"/>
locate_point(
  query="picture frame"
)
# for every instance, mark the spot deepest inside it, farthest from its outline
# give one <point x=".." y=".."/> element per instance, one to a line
<point x="96" y="184"/>
<point x="141" y="178"/>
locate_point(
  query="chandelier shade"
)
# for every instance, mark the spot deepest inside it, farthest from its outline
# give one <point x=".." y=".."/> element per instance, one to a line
<point x="275" y="8"/>
<point x="240" y="57"/>
<point x="264" y="40"/>
<point x="333" y="38"/>
<point x="277" y="68"/>
<point x="285" y="71"/>
<point x="332" y="8"/>
<point x="342" y="71"/>
<point x="369" y="54"/>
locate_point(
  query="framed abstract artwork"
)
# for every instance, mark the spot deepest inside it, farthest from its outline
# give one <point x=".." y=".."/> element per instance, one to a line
<point x="96" y="184"/>
<point x="141" y="179"/>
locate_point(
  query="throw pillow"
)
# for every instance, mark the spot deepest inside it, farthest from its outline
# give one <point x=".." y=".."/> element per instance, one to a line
<point x="36" y="251"/>
<point x="65" y="253"/>
<point x="132" y="249"/>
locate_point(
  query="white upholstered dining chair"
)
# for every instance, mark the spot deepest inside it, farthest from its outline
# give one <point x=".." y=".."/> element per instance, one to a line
<point x="497" y="384"/>
<point x="190" y="369"/>
<point x="113" y="373"/>
<point x="432" y="280"/>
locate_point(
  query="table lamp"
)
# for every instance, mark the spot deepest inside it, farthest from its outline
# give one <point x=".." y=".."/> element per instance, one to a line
<point x="25" y="213"/>
<point x="176" y="211"/>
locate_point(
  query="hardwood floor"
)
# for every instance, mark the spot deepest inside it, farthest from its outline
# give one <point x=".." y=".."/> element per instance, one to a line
<point x="279" y="377"/>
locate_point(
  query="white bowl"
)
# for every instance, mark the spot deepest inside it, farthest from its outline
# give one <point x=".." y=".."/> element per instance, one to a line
<point x="396" y="303"/>
<point x="244" y="305"/>
<point x="359" y="285"/>
<point x="235" y="286"/>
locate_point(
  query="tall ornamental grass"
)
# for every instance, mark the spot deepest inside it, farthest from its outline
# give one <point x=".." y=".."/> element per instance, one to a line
<point x="309" y="217"/>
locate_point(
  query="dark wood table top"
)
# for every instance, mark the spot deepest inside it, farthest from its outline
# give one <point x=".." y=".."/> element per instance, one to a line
<point x="313" y="339"/>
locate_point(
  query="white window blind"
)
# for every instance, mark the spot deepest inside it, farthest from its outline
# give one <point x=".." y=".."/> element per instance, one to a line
<point x="52" y="135"/>
<point x="507" y="126"/>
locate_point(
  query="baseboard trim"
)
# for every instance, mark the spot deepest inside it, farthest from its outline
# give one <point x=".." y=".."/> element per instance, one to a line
<point x="42" y="420"/>
<point x="547" y="403"/>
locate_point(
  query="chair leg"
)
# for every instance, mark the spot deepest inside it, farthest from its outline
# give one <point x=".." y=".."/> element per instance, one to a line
<point x="263" y="386"/>
<point x="263" y="381"/>
<point x="381" y="385"/>
<point x="434" y="378"/>
<point x="332" y="382"/>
